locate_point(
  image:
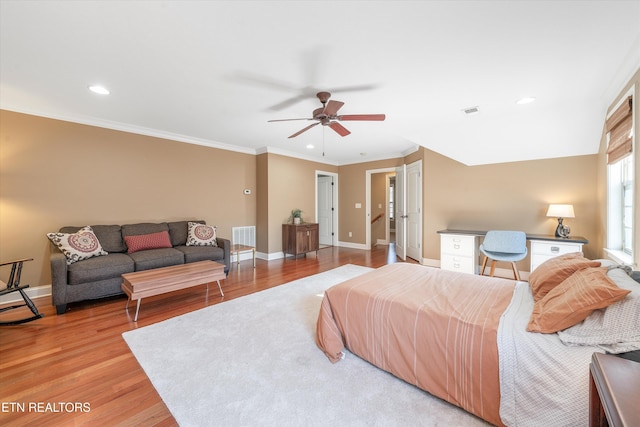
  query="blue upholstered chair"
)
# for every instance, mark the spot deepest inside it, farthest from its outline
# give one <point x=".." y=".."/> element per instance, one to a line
<point x="502" y="245"/>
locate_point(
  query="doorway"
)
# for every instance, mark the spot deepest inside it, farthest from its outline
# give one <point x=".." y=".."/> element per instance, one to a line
<point x="327" y="208"/>
<point x="406" y="202"/>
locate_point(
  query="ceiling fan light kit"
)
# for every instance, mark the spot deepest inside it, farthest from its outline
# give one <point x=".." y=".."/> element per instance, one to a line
<point x="327" y="115"/>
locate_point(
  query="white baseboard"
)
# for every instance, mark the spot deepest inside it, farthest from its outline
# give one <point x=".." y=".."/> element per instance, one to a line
<point x="32" y="292"/>
<point x="353" y="245"/>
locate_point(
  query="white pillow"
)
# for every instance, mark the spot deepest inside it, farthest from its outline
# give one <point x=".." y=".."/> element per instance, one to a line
<point x="78" y="246"/>
<point x="201" y="235"/>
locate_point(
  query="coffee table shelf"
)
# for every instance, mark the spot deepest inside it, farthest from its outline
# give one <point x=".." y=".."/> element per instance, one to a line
<point x="147" y="283"/>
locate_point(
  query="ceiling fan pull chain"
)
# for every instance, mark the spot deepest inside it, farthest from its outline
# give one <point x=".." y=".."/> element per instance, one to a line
<point x="322" y="141"/>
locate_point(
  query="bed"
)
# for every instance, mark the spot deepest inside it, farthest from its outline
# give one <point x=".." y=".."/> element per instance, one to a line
<point x="464" y="339"/>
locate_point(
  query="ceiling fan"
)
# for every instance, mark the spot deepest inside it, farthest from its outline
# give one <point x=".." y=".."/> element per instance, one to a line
<point x="327" y="115"/>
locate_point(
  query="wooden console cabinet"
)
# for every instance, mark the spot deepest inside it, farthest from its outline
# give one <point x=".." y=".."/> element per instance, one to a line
<point x="300" y="238"/>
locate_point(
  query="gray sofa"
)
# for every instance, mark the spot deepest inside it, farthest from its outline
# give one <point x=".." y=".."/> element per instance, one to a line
<point x="100" y="276"/>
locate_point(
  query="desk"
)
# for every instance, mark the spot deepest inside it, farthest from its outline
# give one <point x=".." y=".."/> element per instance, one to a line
<point x="614" y="387"/>
<point x="459" y="249"/>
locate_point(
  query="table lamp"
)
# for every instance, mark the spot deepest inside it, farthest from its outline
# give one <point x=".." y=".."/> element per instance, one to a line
<point x="561" y="212"/>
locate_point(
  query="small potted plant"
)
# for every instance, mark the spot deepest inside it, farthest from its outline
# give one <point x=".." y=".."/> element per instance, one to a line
<point x="296" y="216"/>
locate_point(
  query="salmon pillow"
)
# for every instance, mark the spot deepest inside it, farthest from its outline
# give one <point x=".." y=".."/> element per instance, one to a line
<point x="143" y="242"/>
<point x="554" y="271"/>
<point x="574" y="299"/>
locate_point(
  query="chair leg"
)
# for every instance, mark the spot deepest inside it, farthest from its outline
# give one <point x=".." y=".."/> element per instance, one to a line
<point x="27" y="303"/>
<point x="484" y="265"/>
<point x="493" y="267"/>
<point x="515" y="270"/>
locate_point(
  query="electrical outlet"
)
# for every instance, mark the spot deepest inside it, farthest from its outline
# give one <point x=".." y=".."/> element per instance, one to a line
<point x="350" y="234"/>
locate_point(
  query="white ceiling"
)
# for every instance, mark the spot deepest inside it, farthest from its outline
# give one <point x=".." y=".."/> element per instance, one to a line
<point x="214" y="72"/>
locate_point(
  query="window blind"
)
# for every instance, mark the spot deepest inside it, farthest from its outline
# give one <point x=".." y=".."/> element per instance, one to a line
<point x="620" y="126"/>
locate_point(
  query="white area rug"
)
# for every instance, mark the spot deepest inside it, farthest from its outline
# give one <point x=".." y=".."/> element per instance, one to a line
<point x="253" y="361"/>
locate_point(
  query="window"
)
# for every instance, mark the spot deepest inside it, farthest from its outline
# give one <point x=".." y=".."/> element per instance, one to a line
<point x="627" y="204"/>
<point x="621" y="182"/>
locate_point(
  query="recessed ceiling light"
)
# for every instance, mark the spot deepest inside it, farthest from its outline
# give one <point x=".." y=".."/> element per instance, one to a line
<point x="310" y="146"/>
<point x="525" y="100"/>
<point x="101" y="90"/>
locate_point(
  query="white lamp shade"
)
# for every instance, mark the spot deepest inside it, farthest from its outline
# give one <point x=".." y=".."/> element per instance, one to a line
<point x="561" y="211"/>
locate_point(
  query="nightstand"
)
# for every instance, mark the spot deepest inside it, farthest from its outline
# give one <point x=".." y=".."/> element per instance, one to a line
<point x="614" y="387"/>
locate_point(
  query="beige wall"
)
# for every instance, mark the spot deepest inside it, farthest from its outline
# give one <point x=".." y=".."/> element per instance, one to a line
<point x="499" y="196"/>
<point x="352" y="190"/>
<point x="290" y="184"/>
<point x="510" y="196"/>
<point x="55" y="173"/>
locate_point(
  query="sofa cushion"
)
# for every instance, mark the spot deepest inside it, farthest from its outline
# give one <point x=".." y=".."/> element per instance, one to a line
<point x="201" y="235"/>
<point x="99" y="268"/>
<point x="201" y="253"/>
<point x="110" y="236"/>
<point x="143" y="228"/>
<point x="78" y="246"/>
<point x="142" y="242"/>
<point x="156" y="258"/>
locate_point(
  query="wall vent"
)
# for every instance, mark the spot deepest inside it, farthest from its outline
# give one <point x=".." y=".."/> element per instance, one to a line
<point x="472" y="110"/>
<point x="244" y="235"/>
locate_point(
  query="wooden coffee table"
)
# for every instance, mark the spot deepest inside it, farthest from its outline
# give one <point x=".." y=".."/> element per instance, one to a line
<point x="147" y="283"/>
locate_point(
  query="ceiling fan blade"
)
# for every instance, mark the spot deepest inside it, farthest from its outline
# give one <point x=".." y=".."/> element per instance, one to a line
<point x="332" y="107"/>
<point x="288" y="102"/>
<point x="341" y="130"/>
<point x="304" y="130"/>
<point x="287" y="120"/>
<point x="354" y="88"/>
<point x="369" y="117"/>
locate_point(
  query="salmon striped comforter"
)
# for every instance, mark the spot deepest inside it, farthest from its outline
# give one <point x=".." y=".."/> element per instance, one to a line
<point x="432" y="328"/>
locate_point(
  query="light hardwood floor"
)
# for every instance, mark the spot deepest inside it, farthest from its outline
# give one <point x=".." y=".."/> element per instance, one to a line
<point x="76" y="369"/>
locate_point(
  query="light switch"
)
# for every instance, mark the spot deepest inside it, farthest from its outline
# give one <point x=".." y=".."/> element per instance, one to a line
<point x="358" y="205"/>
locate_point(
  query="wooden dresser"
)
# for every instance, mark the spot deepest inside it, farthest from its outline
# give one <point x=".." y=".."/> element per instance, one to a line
<point x="300" y="238"/>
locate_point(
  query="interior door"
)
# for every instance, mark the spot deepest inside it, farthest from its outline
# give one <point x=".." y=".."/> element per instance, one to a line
<point x="325" y="209"/>
<point x="400" y="212"/>
<point x="413" y="202"/>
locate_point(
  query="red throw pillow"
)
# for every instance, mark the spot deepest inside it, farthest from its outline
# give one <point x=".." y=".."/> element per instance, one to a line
<point x="147" y="241"/>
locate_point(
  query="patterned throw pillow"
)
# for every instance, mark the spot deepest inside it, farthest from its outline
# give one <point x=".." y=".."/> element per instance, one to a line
<point x="201" y="235"/>
<point x="554" y="271"/>
<point x="77" y="246"/>
<point x="574" y="299"/>
<point x="143" y="242"/>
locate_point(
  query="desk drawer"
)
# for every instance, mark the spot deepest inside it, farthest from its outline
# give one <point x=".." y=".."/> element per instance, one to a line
<point x="553" y="249"/>
<point x="460" y="264"/>
<point x="457" y="244"/>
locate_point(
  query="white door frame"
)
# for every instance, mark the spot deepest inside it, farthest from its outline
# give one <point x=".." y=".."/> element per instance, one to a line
<point x="334" y="218"/>
<point x="401" y="209"/>
<point x="413" y="200"/>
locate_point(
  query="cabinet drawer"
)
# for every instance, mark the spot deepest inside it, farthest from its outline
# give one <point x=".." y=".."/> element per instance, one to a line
<point x="553" y="249"/>
<point x="460" y="264"/>
<point x="458" y="244"/>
